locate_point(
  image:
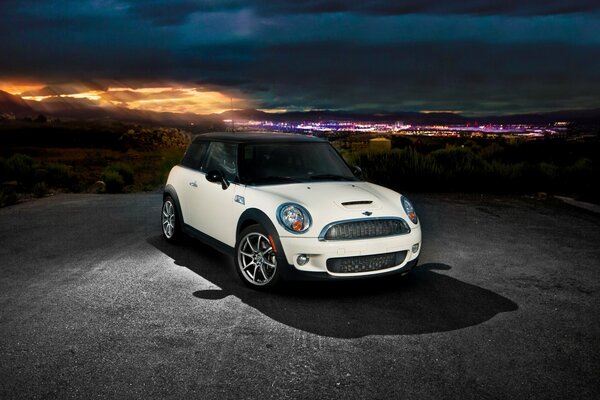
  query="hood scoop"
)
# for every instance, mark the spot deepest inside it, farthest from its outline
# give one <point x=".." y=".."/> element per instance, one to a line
<point x="358" y="205"/>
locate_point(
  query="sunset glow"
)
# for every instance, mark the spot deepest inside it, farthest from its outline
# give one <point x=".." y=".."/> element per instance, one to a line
<point x="172" y="98"/>
<point x="17" y="88"/>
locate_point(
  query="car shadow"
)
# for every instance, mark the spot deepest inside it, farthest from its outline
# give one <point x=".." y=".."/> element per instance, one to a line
<point x="421" y="302"/>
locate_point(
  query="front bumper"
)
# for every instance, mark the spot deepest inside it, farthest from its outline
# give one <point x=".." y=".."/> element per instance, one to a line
<point x="320" y="251"/>
<point x="293" y="274"/>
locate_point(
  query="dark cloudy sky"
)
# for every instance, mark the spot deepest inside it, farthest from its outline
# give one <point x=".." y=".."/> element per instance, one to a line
<point x="476" y="56"/>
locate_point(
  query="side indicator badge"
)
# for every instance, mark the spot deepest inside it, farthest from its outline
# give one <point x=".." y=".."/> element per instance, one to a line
<point x="367" y="213"/>
<point x="239" y="199"/>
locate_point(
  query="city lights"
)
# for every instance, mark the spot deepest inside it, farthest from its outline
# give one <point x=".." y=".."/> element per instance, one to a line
<point x="336" y="128"/>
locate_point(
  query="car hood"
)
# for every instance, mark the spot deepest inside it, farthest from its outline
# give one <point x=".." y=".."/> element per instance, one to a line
<point x="334" y="201"/>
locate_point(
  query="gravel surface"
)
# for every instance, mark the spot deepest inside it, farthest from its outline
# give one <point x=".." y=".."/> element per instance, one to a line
<point x="95" y="304"/>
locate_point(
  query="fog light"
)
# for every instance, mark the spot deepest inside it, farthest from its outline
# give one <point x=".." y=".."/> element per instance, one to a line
<point x="302" y="259"/>
<point x="415" y="247"/>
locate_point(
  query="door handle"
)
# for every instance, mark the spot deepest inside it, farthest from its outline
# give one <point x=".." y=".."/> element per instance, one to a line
<point x="194" y="184"/>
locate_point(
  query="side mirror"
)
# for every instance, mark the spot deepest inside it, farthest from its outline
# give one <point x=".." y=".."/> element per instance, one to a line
<point x="216" y="176"/>
<point x="357" y="171"/>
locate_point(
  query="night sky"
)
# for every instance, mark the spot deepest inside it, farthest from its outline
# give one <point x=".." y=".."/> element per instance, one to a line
<point x="473" y="56"/>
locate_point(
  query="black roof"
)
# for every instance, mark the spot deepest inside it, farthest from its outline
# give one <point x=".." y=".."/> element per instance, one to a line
<point x="257" y="137"/>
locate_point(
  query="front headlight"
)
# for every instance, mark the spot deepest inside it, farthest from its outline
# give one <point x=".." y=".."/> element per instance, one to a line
<point x="409" y="209"/>
<point x="293" y="217"/>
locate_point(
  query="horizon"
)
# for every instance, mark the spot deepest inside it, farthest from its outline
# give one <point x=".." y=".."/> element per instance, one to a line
<point x="93" y="99"/>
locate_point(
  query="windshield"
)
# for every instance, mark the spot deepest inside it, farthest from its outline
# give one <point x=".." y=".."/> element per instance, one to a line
<point x="267" y="164"/>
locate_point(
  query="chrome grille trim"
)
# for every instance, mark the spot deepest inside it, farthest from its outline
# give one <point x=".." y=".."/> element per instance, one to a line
<point x="364" y="228"/>
<point x="357" y="264"/>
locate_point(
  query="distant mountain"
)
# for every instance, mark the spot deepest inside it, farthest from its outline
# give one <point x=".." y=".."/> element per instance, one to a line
<point x="73" y="108"/>
<point x="85" y="109"/>
<point x="10" y="104"/>
<point x="189" y="121"/>
<point x="69" y="108"/>
<point x="580" y="116"/>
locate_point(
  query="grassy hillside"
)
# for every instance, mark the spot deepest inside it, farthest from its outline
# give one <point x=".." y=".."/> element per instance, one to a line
<point x="498" y="166"/>
<point x="38" y="157"/>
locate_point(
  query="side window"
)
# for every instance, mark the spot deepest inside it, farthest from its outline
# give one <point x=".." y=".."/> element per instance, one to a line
<point x="194" y="155"/>
<point x="222" y="157"/>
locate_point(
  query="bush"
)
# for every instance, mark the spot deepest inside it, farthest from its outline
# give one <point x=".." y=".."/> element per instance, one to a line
<point x="60" y="175"/>
<point x="465" y="169"/>
<point x="113" y="180"/>
<point x="154" y="138"/>
<point x="584" y="174"/>
<point x="21" y="168"/>
<point x="459" y="159"/>
<point x="400" y="142"/>
<point x="404" y="169"/>
<point x="491" y="152"/>
<point x="124" y="170"/>
<point x="8" y="197"/>
<point x="169" y="159"/>
<point x="117" y="176"/>
<point x="40" y="189"/>
<point x="5" y="174"/>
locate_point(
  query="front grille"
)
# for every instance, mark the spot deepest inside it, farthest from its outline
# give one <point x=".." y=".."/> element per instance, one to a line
<point x="344" y="265"/>
<point x="365" y="229"/>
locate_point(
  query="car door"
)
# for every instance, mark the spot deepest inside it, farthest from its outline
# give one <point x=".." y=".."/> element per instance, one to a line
<point x="218" y="212"/>
<point x="187" y="179"/>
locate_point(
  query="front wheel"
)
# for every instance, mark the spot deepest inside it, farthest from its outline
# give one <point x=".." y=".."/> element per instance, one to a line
<point x="255" y="258"/>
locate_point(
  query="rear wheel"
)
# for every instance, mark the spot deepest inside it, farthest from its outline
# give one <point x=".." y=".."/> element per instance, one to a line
<point x="256" y="259"/>
<point x="170" y="223"/>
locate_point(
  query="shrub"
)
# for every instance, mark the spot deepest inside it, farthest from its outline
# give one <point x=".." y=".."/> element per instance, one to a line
<point x="400" y="142"/>
<point x="60" y="175"/>
<point x="460" y="168"/>
<point x="502" y="177"/>
<point x="458" y="159"/>
<point x="404" y="169"/>
<point x="7" y="197"/>
<point x="169" y="159"/>
<point x="116" y="176"/>
<point x="491" y="151"/>
<point x="22" y="169"/>
<point x="124" y="170"/>
<point x="113" y="180"/>
<point x="583" y="175"/>
<point x="5" y="174"/>
<point x="154" y="138"/>
<point x="40" y="189"/>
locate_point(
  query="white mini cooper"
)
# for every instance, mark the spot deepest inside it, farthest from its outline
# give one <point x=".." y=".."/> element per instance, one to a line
<point x="288" y="207"/>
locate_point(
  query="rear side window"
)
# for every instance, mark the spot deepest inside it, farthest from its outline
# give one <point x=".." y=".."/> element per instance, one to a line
<point x="222" y="157"/>
<point x="194" y="155"/>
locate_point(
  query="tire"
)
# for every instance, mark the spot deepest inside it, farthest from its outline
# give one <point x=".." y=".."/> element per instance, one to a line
<point x="255" y="260"/>
<point x="171" y="226"/>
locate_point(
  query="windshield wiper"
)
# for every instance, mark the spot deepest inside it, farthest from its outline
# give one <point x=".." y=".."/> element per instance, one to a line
<point x="332" y="177"/>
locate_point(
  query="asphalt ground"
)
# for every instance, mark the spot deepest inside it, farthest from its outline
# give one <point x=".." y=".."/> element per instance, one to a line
<point x="95" y="304"/>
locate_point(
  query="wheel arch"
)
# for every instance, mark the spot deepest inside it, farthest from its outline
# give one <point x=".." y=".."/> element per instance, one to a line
<point x="255" y="216"/>
<point x="170" y="191"/>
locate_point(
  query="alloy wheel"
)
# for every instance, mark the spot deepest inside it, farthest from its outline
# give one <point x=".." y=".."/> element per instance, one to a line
<point x="168" y="219"/>
<point x="256" y="259"/>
